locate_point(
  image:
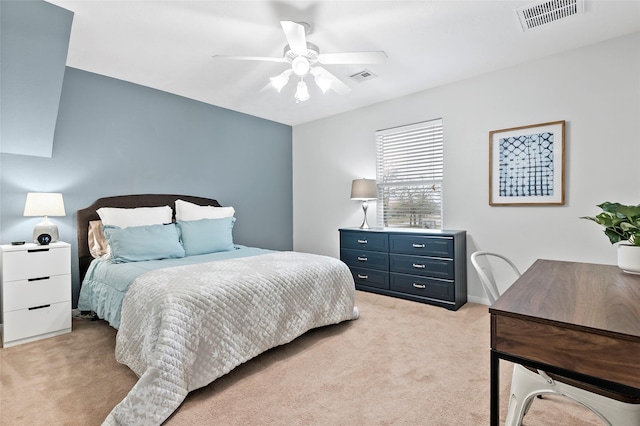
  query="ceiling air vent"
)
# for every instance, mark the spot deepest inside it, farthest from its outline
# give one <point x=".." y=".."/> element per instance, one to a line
<point x="363" y="75"/>
<point x="544" y="12"/>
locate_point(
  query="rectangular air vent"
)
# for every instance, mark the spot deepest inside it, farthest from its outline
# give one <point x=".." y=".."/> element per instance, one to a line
<point x="545" y="12"/>
<point x="363" y="75"/>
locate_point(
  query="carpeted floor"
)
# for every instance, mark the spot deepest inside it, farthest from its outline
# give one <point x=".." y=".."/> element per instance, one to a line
<point x="400" y="363"/>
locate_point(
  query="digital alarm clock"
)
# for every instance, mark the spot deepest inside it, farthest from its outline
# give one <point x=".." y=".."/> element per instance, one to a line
<point x="44" y="239"/>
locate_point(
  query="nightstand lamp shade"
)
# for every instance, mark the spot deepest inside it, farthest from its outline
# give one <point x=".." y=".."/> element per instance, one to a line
<point x="44" y="204"/>
<point x="365" y="190"/>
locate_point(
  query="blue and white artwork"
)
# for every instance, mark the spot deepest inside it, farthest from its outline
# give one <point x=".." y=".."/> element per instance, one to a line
<point x="526" y="165"/>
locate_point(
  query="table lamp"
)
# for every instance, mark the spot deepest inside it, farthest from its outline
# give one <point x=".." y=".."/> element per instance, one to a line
<point x="44" y="204"/>
<point x="365" y="190"/>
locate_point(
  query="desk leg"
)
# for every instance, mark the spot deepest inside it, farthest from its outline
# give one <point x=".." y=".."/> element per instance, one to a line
<point x="495" y="390"/>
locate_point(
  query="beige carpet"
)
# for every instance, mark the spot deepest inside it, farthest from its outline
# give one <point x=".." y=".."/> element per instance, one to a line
<point x="401" y="363"/>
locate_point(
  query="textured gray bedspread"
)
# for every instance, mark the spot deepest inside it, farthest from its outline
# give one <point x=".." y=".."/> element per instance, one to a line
<point x="183" y="327"/>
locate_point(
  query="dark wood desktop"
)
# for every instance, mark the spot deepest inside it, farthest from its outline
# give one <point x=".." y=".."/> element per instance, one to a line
<point x="577" y="320"/>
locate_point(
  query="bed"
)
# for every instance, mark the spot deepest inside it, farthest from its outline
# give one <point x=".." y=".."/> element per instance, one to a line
<point x="190" y="304"/>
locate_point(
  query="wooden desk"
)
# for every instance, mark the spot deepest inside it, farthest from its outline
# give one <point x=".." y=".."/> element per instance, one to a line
<point x="578" y="320"/>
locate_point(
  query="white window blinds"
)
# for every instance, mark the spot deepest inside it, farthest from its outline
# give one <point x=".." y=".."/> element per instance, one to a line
<point x="409" y="175"/>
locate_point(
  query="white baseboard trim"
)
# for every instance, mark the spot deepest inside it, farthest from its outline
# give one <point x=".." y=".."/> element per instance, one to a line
<point x="479" y="300"/>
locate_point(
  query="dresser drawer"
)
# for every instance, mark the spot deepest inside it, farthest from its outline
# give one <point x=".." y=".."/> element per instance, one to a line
<point x="23" y="294"/>
<point x="421" y="286"/>
<point x="365" y="259"/>
<point x="33" y="322"/>
<point x="421" y="245"/>
<point x="419" y="265"/>
<point x="35" y="263"/>
<point x="371" y="241"/>
<point x="370" y="278"/>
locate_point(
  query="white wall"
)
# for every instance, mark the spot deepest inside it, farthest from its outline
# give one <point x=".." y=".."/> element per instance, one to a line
<point x="595" y="89"/>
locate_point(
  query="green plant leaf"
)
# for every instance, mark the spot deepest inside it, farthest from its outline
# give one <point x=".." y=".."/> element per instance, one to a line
<point x="630" y="212"/>
<point x="620" y="222"/>
<point x="614" y="237"/>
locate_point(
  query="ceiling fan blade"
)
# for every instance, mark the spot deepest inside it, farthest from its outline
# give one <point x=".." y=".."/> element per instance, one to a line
<point x="296" y="36"/>
<point x="337" y="85"/>
<point x="250" y="58"/>
<point x="267" y="86"/>
<point x="377" y="57"/>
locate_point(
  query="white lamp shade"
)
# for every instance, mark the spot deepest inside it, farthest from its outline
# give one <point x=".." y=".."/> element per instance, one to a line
<point x="44" y="204"/>
<point x="281" y="80"/>
<point x="364" y="189"/>
<point x="323" y="83"/>
<point x="302" y="92"/>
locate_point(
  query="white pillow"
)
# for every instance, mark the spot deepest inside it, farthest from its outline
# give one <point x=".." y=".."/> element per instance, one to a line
<point x="186" y="211"/>
<point x="140" y="216"/>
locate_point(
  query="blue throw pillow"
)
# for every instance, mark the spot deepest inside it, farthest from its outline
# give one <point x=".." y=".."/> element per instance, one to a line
<point x="207" y="235"/>
<point x="139" y="243"/>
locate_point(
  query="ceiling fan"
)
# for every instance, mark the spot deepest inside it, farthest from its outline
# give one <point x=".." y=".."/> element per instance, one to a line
<point x="305" y="60"/>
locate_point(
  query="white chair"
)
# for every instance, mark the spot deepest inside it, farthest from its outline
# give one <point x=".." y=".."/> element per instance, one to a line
<point x="486" y="273"/>
<point x="526" y="383"/>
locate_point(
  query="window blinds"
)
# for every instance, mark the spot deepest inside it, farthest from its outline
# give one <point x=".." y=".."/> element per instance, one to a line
<point x="409" y="175"/>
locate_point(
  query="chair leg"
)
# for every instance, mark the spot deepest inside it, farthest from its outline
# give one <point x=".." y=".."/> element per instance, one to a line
<point x="521" y="396"/>
<point x="525" y="385"/>
<point x="527" y="406"/>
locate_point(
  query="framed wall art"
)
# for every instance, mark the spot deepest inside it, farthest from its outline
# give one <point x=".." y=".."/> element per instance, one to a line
<point x="526" y="165"/>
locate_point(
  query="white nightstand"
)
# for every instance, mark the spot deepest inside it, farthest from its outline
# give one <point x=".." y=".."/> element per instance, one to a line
<point x="36" y="291"/>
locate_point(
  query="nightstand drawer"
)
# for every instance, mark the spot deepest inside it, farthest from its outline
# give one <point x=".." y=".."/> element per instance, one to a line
<point x="370" y="278"/>
<point x="27" y="323"/>
<point x="365" y="259"/>
<point x="371" y="241"/>
<point x="419" y="265"/>
<point x="23" y="294"/>
<point x="421" y="286"/>
<point x="420" y="245"/>
<point x="35" y="263"/>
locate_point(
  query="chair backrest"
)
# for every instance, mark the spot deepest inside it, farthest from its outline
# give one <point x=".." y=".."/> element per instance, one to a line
<point x="486" y="275"/>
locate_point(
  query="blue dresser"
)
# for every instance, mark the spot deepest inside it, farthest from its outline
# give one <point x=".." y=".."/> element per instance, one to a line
<point x="423" y="265"/>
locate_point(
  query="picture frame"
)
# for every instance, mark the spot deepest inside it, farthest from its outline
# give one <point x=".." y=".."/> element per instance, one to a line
<point x="526" y="165"/>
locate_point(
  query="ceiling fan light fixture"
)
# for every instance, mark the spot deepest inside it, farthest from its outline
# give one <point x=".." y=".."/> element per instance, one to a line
<point x="279" y="81"/>
<point x="304" y="58"/>
<point x="323" y="83"/>
<point x="300" y="65"/>
<point x="302" y="92"/>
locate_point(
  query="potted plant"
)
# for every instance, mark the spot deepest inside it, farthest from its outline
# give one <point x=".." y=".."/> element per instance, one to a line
<point x="621" y="224"/>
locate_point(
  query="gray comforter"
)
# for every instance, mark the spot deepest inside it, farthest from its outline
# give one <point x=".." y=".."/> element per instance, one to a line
<point x="183" y="327"/>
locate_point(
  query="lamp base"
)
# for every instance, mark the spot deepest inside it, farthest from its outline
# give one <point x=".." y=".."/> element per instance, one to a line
<point x="365" y="224"/>
<point x="45" y="232"/>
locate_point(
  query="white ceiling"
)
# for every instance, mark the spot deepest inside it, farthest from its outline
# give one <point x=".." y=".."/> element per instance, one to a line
<point x="168" y="45"/>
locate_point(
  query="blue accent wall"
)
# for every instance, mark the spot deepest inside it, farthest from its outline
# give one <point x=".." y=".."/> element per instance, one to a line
<point x="117" y="138"/>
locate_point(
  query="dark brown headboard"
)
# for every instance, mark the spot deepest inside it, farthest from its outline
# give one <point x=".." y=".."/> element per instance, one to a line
<point x="124" y="201"/>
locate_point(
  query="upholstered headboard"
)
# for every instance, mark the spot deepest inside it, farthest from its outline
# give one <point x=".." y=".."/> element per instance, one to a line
<point x="88" y="214"/>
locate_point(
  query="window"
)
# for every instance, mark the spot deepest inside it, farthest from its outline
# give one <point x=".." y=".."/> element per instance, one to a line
<point x="409" y="175"/>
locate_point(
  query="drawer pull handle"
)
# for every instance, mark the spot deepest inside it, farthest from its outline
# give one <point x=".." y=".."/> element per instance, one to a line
<point x="418" y="266"/>
<point x="362" y="259"/>
<point x="416" y="285"/>
<point x="363" y="277"/>
<point x="39" y="307"/>
<point x="362" y="241"/>
<point x="38" y="279"/>
<point x="418" y="245"/>
<point x="37" y="250"/>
